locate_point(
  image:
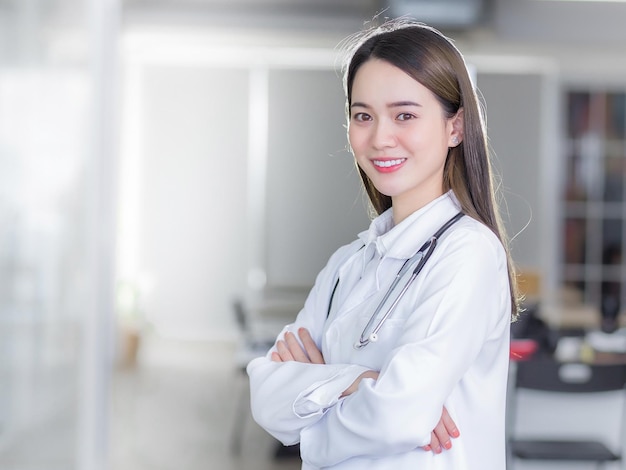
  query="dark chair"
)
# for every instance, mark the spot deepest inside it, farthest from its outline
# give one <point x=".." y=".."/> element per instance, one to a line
<point x="579" y="388"/>
<point x="259" y="323"/>
<point x="250" y="346"/>
<point x="252" y="343"/>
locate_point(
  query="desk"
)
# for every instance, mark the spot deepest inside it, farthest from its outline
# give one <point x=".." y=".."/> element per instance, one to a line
<point x="593" y="347"/>
<point x="521" y="351"/>
<point x="571" y="343"/>
<point x="608" y="358"/>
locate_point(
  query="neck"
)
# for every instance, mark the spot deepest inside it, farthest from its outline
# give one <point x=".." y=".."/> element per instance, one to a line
<point x="399" y="214"/>
<point x="404" y="207"/>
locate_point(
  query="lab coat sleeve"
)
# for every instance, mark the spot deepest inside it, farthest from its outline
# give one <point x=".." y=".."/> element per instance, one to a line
<point x="288" y="396"/>
<point x="277" y="387"/>
<point x="467" y="289"/>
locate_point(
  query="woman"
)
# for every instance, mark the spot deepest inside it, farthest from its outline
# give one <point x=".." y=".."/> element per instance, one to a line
<point x="437" y="361"/>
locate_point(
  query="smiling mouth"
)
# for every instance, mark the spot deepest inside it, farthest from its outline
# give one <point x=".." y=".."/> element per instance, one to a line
<point x="388" y="163"/>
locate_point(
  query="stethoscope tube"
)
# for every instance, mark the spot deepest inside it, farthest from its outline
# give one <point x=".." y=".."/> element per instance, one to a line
<point x="373" y="336"/>
<point x="422" y="256"/>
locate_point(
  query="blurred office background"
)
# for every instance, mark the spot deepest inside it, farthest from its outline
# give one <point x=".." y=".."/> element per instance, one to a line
<point x="160" y="159"/>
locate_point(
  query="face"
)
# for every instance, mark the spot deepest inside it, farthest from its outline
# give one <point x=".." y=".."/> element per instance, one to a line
<point x="399" y="135"/>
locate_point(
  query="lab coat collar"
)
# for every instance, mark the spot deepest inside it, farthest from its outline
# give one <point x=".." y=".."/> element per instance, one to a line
<point x="378" y="227"/>
<point x="403" y="240"/>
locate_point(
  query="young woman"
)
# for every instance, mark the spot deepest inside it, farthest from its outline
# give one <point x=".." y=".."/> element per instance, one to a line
<point x="377" y="373"/>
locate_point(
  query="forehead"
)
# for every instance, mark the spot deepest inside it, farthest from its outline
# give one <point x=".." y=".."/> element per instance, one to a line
<point x="379" y="78"/>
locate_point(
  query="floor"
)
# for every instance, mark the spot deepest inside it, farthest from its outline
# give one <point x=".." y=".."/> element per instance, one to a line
<point x="176" y="410"/>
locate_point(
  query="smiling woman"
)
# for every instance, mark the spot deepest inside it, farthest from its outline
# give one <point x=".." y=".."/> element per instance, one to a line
<point x="380" y="370"/>
<point x="396" y="123"/>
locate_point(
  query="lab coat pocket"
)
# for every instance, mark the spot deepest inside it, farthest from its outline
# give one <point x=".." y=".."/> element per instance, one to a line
<point x="386" y="338"/>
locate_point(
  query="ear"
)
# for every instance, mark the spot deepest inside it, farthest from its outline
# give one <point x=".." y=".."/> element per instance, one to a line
<point x="456" y="129"/>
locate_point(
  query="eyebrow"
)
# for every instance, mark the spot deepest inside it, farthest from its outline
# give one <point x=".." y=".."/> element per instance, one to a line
<point x="395" y="104"/>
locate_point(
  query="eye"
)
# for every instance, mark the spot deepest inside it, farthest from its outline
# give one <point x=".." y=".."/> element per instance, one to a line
<point x="405" y="116"/>
<point x="362" y="117"/>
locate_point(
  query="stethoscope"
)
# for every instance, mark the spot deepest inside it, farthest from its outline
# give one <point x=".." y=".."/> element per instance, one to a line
<point x="421" y="257"/>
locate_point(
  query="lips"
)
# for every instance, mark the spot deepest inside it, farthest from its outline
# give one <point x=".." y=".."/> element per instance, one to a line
<point x="386" y="165"/>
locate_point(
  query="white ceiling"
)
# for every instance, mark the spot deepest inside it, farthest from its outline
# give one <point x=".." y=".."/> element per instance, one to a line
<point x="564" y="23"/>
<point x="579" y="29"/>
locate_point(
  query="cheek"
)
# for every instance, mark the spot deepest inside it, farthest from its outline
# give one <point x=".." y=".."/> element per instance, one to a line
<point x="414" y="142"/>
<point x="428" y="140"/>
<point x="357" y="139"/>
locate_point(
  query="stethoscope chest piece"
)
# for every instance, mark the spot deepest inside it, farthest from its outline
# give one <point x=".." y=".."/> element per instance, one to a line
<point x="372" y="338"/>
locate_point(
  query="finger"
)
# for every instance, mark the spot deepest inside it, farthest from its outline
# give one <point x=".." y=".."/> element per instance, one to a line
<point x="368" y="374"/>
<point x="283" y="351"/>
<point x="434" y="443"/>
<point x="449" y="424"/>
<point x="428" y="447"/>
<point x="276" y="357"/>
<point x="372" y="374"/>
<point x="295" y="349"/>
<point x="310" y="347"/>
<point x="441" y="433"/>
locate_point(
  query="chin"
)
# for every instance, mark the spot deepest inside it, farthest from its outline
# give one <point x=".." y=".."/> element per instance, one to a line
<point x="387" y="191"/>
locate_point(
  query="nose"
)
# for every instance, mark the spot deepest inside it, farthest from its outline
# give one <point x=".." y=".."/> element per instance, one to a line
<point x="383" y="135"/>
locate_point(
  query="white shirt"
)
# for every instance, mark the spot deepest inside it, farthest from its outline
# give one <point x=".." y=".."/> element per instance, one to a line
<point x="446" y="343"/>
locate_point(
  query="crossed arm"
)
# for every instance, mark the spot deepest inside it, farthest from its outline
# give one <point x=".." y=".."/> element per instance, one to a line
<point x="290" y="349"/>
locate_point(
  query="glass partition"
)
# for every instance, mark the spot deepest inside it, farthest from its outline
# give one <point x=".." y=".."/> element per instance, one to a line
<point x="54" y="217"/>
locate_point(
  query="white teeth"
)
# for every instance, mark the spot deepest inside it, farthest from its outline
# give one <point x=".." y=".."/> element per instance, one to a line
<point x="388" y="163"/>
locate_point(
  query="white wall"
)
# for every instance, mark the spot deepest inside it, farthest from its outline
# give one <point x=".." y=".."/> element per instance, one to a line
<point x="241" y="176"/>
<point x="193" y="201"/>
<point x="314" y="200"/>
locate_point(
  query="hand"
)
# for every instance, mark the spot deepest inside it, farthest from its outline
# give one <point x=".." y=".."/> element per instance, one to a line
<point x="440" y="437"/>
<point x="368" y="374"/>
<point x="289" y="349"/>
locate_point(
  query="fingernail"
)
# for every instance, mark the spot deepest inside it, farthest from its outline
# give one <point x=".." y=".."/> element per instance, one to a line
<point x="447" y="445"/>
<point x="438" y="450"/>
<point x="455" y="433"/>
<point x="427" y="447"/>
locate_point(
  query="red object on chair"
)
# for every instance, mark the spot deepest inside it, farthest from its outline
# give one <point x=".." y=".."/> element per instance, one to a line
<point x="522" y="349"/>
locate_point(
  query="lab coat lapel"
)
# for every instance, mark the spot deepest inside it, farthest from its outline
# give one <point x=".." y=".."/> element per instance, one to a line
<point x="355" y="287"/>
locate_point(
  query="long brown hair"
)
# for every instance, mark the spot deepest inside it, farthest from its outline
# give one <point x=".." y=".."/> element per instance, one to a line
<point x="432" y="59"/>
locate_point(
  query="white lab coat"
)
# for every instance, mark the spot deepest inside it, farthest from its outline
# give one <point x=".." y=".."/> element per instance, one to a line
<point x="447" y="343"/>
